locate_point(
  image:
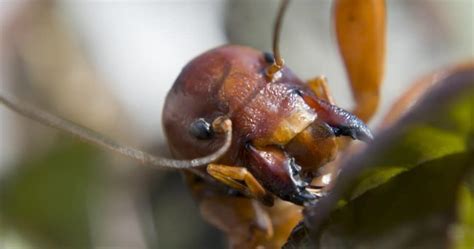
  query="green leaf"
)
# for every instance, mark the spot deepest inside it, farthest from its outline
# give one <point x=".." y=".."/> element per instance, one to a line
<point x="463" y="231"/>
<point x="412" y="210"/>
<point x="47" y="198"/>
<point x="411" y="187"/>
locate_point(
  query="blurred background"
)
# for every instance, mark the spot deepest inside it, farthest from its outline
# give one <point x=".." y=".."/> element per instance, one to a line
<point x="109" y="64"/>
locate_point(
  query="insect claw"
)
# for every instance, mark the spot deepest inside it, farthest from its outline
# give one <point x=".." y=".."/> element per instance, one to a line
<point x="364" y="135"/>
<point x="342" y="122"/>
<point x="317" y="192"/>
<point x="314" y="187"/>
<point x="353" y="127"/>
<point x="303" y="196"/>
<point x="360" y="131"/>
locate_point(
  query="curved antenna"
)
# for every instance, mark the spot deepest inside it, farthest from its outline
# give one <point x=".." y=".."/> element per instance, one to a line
<point x="277" y="31"/>
<point x="279" y="62"/>
<point x="220" y="125"/>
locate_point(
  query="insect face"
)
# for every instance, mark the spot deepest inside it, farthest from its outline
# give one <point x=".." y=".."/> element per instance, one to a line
<point x="282" y="129"/>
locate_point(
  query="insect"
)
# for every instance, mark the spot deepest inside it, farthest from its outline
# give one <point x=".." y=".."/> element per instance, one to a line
<point x="283" y="130"/>
<point x="242" y="123"/>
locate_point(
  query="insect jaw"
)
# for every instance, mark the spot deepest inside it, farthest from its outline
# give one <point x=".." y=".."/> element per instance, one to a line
<point x="345" y="123"/>
<point x="341" y="121"/>
<point x="302" y="194"/>
<point x="358" y="132"/>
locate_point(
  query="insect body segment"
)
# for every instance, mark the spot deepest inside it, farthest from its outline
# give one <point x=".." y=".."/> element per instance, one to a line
<point x="282" y="131"/>
<point x="276" y="115"/>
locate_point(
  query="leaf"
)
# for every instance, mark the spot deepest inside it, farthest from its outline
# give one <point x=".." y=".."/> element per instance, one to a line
<point x="412" y="187"/>
<point x="47" y="198"/>
<point x="463" y="231"/>
<point x="418" y="88"/>
<point x="360" y="28"/>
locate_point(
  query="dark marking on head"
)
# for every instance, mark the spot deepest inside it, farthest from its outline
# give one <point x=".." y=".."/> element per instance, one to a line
<point x="297" y="91"/>
<point x="356" y="132"/>
<point x="268" y="57"/>
<point x="201" y="129"/>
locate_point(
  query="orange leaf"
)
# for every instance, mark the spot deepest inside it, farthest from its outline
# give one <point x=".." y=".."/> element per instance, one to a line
<point x="360" y="29"/>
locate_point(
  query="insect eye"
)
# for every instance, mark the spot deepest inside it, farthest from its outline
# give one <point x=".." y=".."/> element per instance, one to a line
<point x="268" y="57"/>
<point x="201" y="129"/>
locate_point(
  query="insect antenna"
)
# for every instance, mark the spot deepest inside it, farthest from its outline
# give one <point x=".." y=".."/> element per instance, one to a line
<point x="278" y="62"/>
<point x="221" y="125"/>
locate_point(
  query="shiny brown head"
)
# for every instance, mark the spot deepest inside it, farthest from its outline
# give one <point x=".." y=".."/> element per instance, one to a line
<point x="282" y="131"/>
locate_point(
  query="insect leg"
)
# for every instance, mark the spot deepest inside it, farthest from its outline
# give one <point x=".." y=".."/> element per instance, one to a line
<point x="245" y="221"/>
<point x="231" y="175"/>
<point x="320" y="88"/>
